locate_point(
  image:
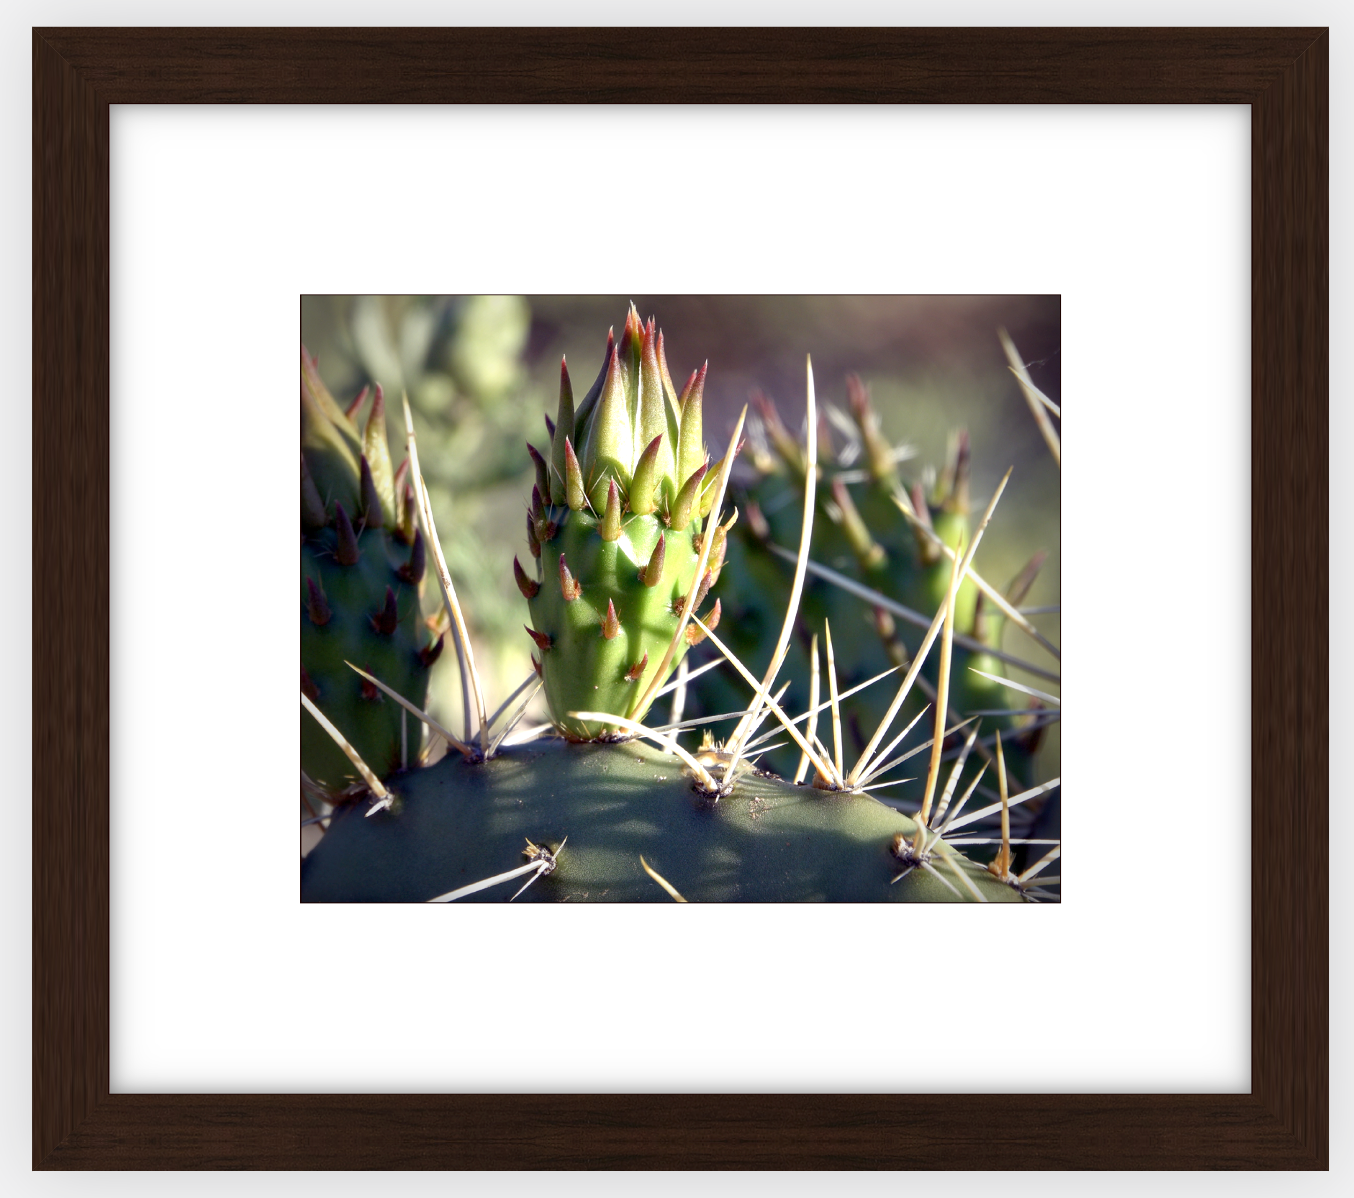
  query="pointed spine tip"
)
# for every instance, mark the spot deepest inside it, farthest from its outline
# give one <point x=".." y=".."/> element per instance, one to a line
<point x="569" y="586"/>
<point x="536" y="665"/>
<point x="387" y="619"/>
<point x="644" y="486"/>
<point x="351" y="410"/>
<point x="611" y="625"/>
<point x="543" y="640"/>
<point x="634" y="672"/>
<point x="529" y="587"/>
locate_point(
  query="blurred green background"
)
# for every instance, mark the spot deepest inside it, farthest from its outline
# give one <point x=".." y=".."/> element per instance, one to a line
<point x="480" y="371"/>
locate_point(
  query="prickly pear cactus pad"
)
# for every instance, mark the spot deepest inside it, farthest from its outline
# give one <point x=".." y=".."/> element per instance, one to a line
<point x="764" y="841"/>
<point x="362" y="564"/>
<point x="614" y="534"/>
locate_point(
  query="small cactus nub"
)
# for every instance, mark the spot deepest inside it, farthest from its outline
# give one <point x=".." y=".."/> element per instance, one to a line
<point x="569" y="586"/>
<point x="386" y="620"/>
<point x="704" y="589"/>
<point x="412" y="570"/>
<point x="634" y="672"/>
<point x="430" y="653"/>
<point x="317" y="606"/>
<point x="684" y="505"/>
<point x="651" y="574"/>
<point x="696" y="634"/>
<point x="308" y="687"/>
<point x="611" y="625"/>
<point x="868" y="551"/>
<point x="536" y="665"/>
<point x="528" y="586"/>
<point x="543" y="640"/>
<point x="532" y="543"/>
<point x="346" y="551"/>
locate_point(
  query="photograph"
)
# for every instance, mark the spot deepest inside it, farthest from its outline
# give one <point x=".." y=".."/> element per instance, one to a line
<point x="680" y="598"/>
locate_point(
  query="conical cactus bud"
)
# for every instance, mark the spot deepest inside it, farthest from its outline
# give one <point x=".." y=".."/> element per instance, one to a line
<point x="648" y="472"/>
<point x="611" y="625"/>
<point x="376" y="450"/>
<point x="387" y="619"/>
<point x="652" y="574"/>
<point x="868" y="551"/>
<point x="346" y="551"/>
<point x="691" y="446"/>
<point x="569" y="586"/>
<point x="562" y="434"/>
<point x="528" y="586"/>
<point x="542" y="469"/>
<point x="610" y="437"/>
<point x="683" y="507"/>
<point x="610" y="527"/>
<point x="351" y="410"/>
<point x="430" y="653"/>
<point x="573" y="480"/>
<point x="370" y="511"/>
<point x="654" y="423"/>
<point x="634" y="673"/>
<point x="542" y="639"/>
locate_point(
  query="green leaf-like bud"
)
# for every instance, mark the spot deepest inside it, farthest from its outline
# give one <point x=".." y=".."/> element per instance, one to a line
<point x="584" y="410"/>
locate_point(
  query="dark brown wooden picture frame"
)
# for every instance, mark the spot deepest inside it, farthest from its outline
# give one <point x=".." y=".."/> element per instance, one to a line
<point x="1281" y="74"/>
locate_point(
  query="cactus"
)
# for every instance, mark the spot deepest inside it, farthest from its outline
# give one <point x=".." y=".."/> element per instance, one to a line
<point x="362" y="563"/>
<point x="615" y="534"/>
<point x="886" y="540"/>
<point x="627" y="541"/>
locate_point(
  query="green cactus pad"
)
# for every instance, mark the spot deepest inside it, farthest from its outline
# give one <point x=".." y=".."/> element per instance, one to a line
<point x="766" y="841"/>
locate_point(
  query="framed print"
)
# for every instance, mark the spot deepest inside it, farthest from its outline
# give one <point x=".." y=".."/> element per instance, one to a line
<point x="80" y="75"/>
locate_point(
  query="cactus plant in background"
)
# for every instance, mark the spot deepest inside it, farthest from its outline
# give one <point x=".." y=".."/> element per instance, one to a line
<point x="362" y="563"/>
<point x="622" y="529"/>
<point x="881" y="555"/>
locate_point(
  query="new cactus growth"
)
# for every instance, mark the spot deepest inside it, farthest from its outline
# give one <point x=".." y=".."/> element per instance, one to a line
<point x="614" y="532"/>
<point x="362" y="563"/>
